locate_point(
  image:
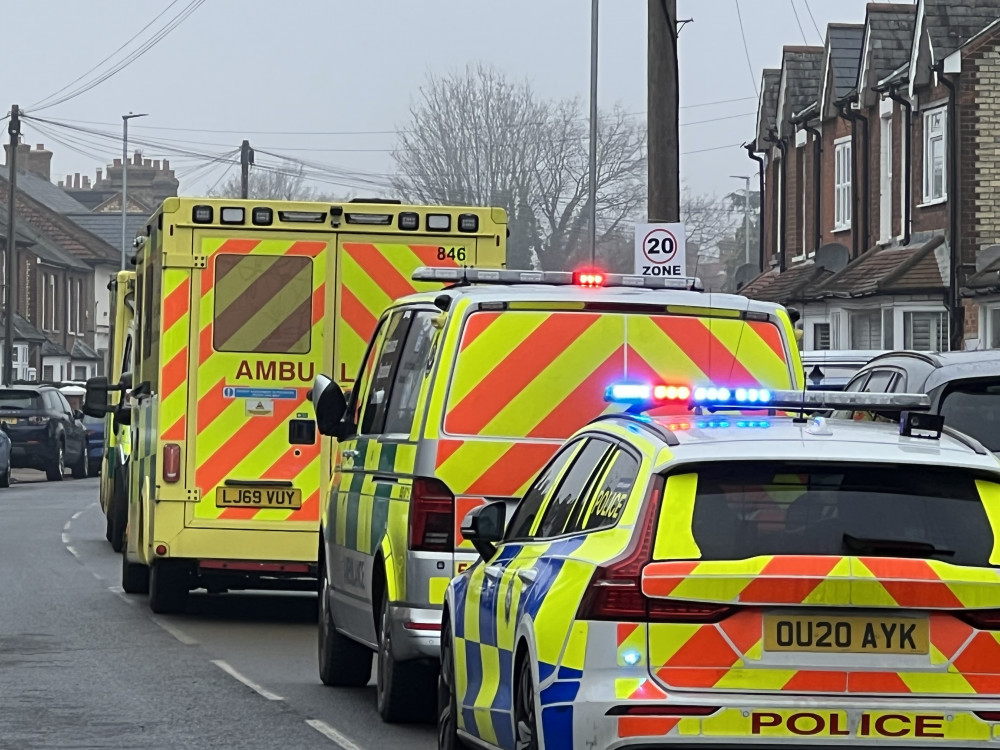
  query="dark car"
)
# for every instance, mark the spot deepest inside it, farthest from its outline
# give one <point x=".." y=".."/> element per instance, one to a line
<point x="45" y="432"/>
<point x="95" y="444"/>
<point x="964" y="387"/>
<point x="830" y="370"/>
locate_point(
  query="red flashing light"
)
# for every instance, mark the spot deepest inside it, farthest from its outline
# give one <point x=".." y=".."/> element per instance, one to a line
<point x="671" y="392"/>
<point x="588" y="278"/>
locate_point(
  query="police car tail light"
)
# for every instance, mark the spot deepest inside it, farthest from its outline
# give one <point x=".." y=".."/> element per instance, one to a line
<point x="982" y="619"/>
<point x="988" y="715"/>
<point x="432" y="516"/>
<point x="171" y="462"/>
<point x="588" y="278"/>
<point x="663" y="709"/>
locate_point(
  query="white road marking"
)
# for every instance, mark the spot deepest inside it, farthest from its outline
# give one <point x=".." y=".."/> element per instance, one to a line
<point x="177" y="633"/>
<point x="332" y="734"/>
<point x="262" y="691"/>
<point x="65" y="538"/>
<point x="96" y="575"/>
<point x="72" y="551"/>
<point x="66" y="527"/>
<point x="117" y="591"/>
<point x="77" y="514"/>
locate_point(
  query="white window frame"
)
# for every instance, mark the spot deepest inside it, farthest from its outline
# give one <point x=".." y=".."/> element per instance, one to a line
<point x="53" y="307"/>
<point x="885" y="178"/>
<point x="69" y="306"/>
<point x="842" y="180"/>
<point x="902" y="312"/>
<point x="44" y="303"/>
<point x="936" y="140"/>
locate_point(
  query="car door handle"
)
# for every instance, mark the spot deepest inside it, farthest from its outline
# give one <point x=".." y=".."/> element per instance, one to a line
<point x="494" y="572"/>
<point x="350" y="454"/>
<point x="527" y="575"/>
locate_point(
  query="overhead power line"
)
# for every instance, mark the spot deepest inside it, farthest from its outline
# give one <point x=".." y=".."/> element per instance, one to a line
<point x="801" y="30"/>
<point x="746" y="49"/>
<point x="815" y="25"/>
<point x="54" y="99"/>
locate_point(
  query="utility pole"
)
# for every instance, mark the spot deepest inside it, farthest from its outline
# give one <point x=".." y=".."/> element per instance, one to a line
<point x="662" y="111"/>
<point x="246" y="159"/>
<point x="14" y="129"/>
<point x="592" y="195"/>
<point x="746" y="214"/>
<point x="125" y="242"/>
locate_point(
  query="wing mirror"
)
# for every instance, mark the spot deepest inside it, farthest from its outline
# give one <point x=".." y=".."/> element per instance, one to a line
<point x="483" y="526"/>
<point x="95" y="401"/>
<point x="330" y="405"/>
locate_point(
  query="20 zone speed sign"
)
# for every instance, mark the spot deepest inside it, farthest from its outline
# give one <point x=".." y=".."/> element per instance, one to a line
<point x="659" y="250"/>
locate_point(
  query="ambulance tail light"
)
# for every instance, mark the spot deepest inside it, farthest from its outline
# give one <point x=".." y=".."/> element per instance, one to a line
<point x="432" y="516"/>
<point x="615" y="590"/>
<point x="981" y="619"/>
<point x="171" y="463"/>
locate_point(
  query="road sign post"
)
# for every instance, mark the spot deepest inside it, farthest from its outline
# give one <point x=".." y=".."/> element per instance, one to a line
<point x="660" y="250"/>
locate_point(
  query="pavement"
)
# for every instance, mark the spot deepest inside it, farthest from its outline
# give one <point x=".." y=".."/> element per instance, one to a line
<point x="83" y="665"/>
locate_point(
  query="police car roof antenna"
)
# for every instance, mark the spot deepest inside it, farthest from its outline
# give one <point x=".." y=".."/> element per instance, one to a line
<point x="801" y="419"/>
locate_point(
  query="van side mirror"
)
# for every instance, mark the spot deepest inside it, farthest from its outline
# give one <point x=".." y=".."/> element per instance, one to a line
<point x="95" y="401"/>
<point x="123" y="416"/>
<point x="483" y="526"/>
<point x="330" y="406"/>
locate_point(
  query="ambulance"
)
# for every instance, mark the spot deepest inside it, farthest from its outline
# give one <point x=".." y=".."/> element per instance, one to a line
<point x="238" y="305"/>
<point x="117" y="437"/>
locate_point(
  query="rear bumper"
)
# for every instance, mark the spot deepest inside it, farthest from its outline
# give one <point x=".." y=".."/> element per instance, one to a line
<point x="30" y="451"/>
<point x="416" y="633"/>
<point x="816" y="722"/>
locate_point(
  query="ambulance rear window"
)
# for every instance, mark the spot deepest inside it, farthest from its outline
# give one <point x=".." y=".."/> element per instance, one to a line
<point x="745" y="509"/>
<point x="263" y="304"/>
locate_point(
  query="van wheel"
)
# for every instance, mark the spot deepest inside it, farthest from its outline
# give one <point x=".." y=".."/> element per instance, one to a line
<point x="57" y="469"/>
<point x="5" y="477"/>
<point x="342" y="662"/>
<point x="135" y="576"/>
<point x="168" y="587"/>
<point x="404" y="691"/>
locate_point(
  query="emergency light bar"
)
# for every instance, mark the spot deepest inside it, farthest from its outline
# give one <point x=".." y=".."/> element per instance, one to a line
<point x="642" y="393"/>
<point x="554" y="278"/>
<point x="726" y="398"/>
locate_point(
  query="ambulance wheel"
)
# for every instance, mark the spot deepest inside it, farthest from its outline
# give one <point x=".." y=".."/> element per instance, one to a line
<point x="342" y="661"/>
<point x="118" y="511"/>
<point x="135" y="577"/>
<point x="525" y="723"/>
<point x="168" y="587"/>
<point x="447" y="717"/>
<point x="57" y="468"/>
<point x="404" y="690"/>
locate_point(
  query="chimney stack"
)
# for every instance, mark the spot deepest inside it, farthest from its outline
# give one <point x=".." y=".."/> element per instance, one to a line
<point x="86" y="182"/>
<point x="76" y="180"/>
<point x="39" y="162"/>
<point x="100" y="173"/>
<point x="69" y="181"/>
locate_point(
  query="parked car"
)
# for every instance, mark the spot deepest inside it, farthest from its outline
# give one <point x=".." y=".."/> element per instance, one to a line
<point x="830" y="370"/>
<point x="45" y="432"/>
<point x="95" y="444"/>
<point x="964" y="387"/>
<point x="4" y="459"/>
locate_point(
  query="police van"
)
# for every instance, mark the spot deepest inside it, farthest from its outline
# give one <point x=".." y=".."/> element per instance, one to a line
<point x="463" y="395"/>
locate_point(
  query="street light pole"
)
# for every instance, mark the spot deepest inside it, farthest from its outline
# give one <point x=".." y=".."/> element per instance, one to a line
<point x="746" y="214"/>
<point x="125" y="119"/>
<point x="592" y="196"/>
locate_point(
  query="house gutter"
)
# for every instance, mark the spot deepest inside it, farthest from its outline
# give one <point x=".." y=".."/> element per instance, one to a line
<point x="907" y="162"/>
<point x="760" y="217"/>
<point x="954" y="287"/>
<point x="782" y="192"/>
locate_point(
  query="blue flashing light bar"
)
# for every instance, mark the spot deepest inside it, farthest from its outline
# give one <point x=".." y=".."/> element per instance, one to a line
<point x="741" y="396"/>
<point x="629" y="393"/>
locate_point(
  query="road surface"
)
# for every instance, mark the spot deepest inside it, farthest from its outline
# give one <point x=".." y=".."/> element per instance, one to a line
<point x="83" y="665"/>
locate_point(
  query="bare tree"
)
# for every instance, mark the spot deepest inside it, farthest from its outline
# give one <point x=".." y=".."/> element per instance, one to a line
<point x="285" y="182"/>
<point x="477" y="138"/>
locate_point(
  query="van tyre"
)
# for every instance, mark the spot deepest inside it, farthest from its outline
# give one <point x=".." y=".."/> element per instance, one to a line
<point x="168" y="587"/>
<point x="342" y="661"/>
<point x="525" y="721"/>
<point x="57" y="469"/>
<point x="404" y="690"/>
<point x="135" y="577"/>
<point x="5" y="477"/>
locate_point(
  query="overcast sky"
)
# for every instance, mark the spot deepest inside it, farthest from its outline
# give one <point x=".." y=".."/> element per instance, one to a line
<point x="270" y="70"/>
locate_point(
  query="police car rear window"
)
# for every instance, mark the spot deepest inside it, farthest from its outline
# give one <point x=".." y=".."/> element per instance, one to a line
<point x="745" y="509"/>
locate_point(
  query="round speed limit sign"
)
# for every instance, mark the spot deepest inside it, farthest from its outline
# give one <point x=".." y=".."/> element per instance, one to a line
<point x="659" y="246"/>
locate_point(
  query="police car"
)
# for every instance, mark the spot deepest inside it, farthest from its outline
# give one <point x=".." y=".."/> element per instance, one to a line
<point x="752" y="575"/>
